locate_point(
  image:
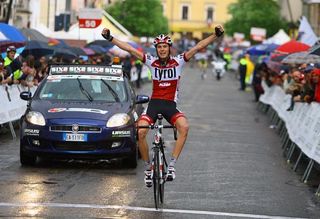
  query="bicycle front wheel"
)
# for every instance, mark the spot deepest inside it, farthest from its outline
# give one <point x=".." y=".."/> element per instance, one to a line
<point x="162" y="180"/>
<point x="156" y="178"/>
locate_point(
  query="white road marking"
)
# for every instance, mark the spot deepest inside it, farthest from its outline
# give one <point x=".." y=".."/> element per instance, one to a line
<point x="124" y="207"/>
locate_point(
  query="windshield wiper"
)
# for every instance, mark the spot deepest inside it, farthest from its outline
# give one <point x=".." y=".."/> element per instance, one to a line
<point x="84" y="91"/>
<point x="114" y="94"/>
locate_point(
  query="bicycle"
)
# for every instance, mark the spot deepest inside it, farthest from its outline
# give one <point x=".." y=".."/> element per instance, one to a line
<point x="159" y="163"/>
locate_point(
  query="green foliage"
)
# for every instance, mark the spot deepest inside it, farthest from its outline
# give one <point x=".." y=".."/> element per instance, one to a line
<point x="254" y="13"/>
<point x="141" y="17"/>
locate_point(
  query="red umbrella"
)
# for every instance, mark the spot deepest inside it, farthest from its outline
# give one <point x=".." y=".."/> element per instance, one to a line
<point x="292" y="47"/>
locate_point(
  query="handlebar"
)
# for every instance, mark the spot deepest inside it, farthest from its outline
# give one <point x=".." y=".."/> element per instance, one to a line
<point x="155" y="126"/>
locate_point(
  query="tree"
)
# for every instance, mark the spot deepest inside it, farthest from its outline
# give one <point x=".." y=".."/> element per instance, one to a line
<point x="253" y="13"/>
<point x="141" y="17"/>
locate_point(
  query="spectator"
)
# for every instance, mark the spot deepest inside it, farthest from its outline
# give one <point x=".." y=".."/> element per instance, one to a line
<point x="242" y="72"/>
<point x="295" y="88"/>
<point x="11" y="52"/>
<point x="29" y="71"/>
<point x="116" y="60"/>
<point x="127" y="67"/>
<point x="138" y="65"/>
<point x="41" y="71"/>
<point x="316" y="81"/>
<point x="4" y="77"/>
<point x="259" y="69"/>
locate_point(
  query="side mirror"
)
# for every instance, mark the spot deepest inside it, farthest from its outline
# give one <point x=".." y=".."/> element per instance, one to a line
<point x="25" y="95"/>
<point x="142" y="99"/>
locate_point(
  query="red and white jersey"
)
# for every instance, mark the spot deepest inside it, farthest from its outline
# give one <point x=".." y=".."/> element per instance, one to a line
<point x="165" y="78"/>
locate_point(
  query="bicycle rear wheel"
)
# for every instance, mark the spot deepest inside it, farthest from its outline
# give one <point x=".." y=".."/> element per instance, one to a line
<point x="156" y="178"/>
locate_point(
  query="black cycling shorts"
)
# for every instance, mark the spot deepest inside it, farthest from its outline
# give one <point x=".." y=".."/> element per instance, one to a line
<point x="165" y="107"/>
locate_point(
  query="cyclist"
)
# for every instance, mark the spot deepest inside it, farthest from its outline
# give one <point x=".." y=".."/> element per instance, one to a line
<point x="166" y="72"/>
<point x="202" y="60"/>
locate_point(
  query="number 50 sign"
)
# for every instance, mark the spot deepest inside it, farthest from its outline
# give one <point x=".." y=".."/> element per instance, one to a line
<point x="90" y="17"/>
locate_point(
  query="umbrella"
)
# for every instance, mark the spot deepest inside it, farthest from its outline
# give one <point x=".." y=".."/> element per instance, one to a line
<point x="98" y="49"/>
<point x="315" y="50"/>
<point x="37" y="49"/>
<point x="275" y="57"/>
<point x="262" y="49"/>
<point x="292" y="47"/>
<point x="301" y="58"/>
<point x="32" y="34"/>
<point x="78" y="51"/>
<point x="103" y="43"/>
<point x="53" y="42"/>
<point x="116" y="51"/>
<point x="88" y="51"/>
<point x="9" y="35"/>
<point x="64" y="53"/>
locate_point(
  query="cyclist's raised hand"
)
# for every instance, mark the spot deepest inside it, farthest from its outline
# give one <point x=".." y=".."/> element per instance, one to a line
<point x="121" y="44"/>
<point x="106" y="34"/>
<point x="219" y="31"/>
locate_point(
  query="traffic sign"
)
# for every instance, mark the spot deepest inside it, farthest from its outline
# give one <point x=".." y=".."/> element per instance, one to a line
<point x="90" y="17"/>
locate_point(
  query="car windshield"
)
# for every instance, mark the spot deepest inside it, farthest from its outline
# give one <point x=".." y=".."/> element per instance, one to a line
<point x="98" y="88"/>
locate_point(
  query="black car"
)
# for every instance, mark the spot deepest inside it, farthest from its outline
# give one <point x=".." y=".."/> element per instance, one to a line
<point x="81" y="111"/>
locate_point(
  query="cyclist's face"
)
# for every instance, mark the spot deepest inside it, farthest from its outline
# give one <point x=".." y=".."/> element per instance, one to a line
<point x="163" y="50"/>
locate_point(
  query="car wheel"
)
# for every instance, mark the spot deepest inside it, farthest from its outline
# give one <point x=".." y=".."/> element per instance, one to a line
<point x="27" y="159"/>
<point x="132" y="160"/>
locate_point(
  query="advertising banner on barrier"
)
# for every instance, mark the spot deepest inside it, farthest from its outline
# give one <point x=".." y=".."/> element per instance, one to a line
<point x="302" y="123"/>
<point x="12" y="107"/>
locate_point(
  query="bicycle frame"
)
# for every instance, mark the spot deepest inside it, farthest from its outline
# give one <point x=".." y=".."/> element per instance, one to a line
<point x="159" y="162"/>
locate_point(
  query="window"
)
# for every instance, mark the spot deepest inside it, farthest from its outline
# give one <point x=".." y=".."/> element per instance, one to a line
<point x="185" y="12"/>
<point x="210" y="14"/>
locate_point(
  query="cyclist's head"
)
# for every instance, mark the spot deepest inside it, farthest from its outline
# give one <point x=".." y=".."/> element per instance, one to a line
<point x="163" y="44"/>
<point x="162" y="38"/>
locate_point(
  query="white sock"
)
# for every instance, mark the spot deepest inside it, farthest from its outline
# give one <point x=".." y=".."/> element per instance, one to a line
<point x="147" y="165"/>
<point x="172" y="162"/>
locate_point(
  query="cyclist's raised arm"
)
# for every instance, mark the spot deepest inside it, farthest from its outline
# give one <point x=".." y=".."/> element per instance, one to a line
<point x="122" y="45"/>
<point x="205" y="42"/>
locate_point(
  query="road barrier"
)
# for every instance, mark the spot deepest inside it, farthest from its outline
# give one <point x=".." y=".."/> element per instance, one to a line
<point x="11" y="106"/>
<point x="299" y="129"/>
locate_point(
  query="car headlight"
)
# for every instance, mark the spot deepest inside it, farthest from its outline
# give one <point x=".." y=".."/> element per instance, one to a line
<point x="35" y="118"/>
<point x="118" y="119"/>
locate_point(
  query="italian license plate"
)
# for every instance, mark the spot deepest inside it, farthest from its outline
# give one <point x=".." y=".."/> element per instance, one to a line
<point x="74" y="137"/>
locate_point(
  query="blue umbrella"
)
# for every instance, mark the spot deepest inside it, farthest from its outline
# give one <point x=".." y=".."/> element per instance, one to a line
<point x="37" y="49"/>
<point x="262" y="49"/>
<point x="9" y="35"/>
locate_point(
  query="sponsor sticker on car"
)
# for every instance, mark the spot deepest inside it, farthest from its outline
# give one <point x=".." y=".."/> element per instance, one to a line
<point x="122" y="133"/>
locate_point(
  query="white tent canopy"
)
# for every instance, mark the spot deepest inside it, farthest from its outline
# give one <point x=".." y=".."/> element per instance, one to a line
<point x="279" y="38"/>
<point x="306" y="33"/>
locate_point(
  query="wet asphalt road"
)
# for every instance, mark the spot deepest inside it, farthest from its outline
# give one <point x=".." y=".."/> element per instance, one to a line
<point x="231" y="167"/>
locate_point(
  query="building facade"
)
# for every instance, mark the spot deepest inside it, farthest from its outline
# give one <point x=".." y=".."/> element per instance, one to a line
<point x="195" y="18"/>
<point x="312" y="11"/>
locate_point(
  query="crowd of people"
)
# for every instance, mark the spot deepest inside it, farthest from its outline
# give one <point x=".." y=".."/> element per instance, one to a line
<point x="30" y="70"/>
<point x="301" y="81"/>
